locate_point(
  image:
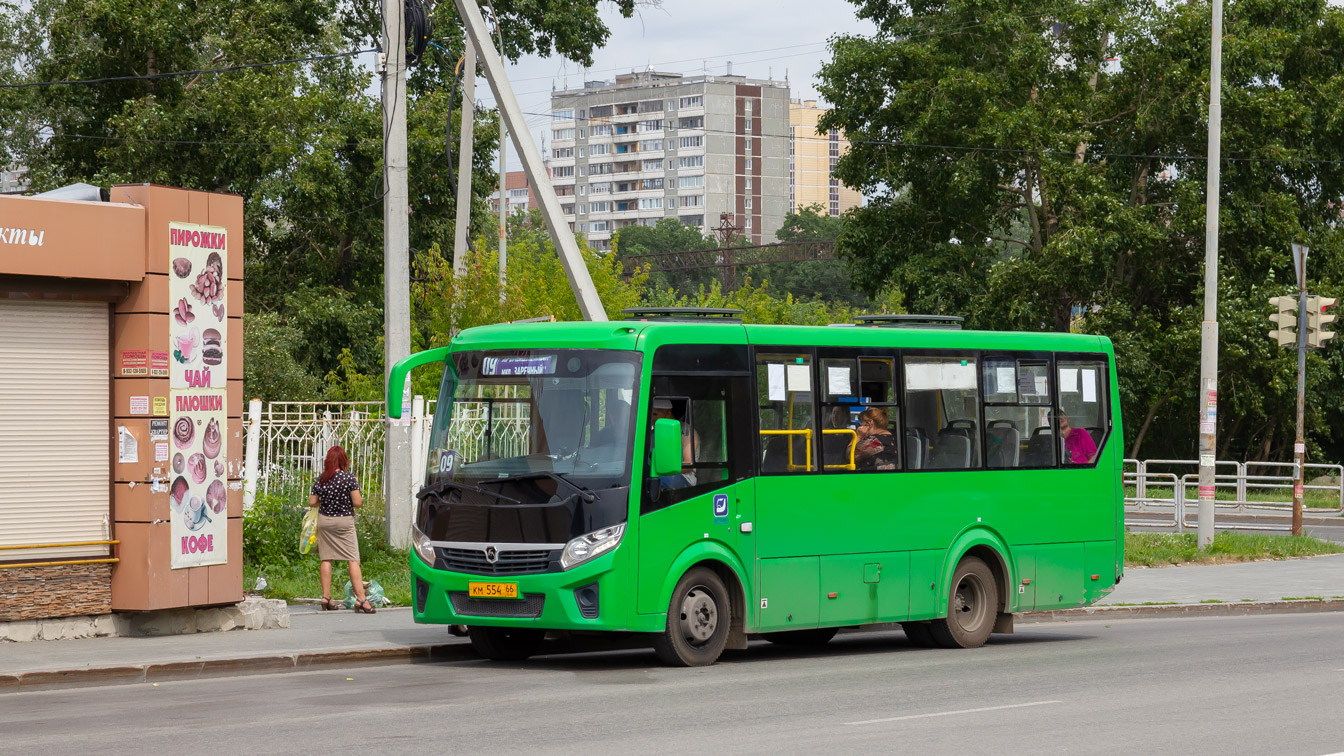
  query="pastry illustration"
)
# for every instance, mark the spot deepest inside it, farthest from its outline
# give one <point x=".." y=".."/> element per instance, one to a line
<point x="215" y="496"/>
<point x="210" y="281"/>
<point x="196" y="468"/>
<point x="182" y="313"/>
<point x="177" y="495"/>
<point x="211" y="439"/>
<point x="183" y="433"/>
<point x="219" y="468"/>
<point x="182" y="267"/>
<point x="179" y="463"/>
<point x="212" y="347"/>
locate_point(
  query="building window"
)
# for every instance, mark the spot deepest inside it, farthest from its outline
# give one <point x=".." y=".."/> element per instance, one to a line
<point x="562" y="134"/>
<point x="583" y="189"/>
<point x="564" y="191"/>
<point x="747" y="165"/>
<point x="692" y="122"/>
<point x="651" y="203"/>
<point x="748" y="203"/>
<point x="583" y="227"/>
<point x="562" y="115"/>
<point x="748" y="124"/>
<point x="748" y="185"/>
<point x="693" y="220"/>
<point x="518" y="192"/>
<point x="599" y="149"/>
<point x="697" y="101"/>
<point x="600" y="207"/>
<point x="599" y="169"/>
<point x="651" y="145"/>
<point x="601" y="131"/>
<point x="583" y="209"/>
<point x="582" y="134"/>
<point x="690" y="182"/>
<point x="747" y="223"/>
<point x="655" y="183"/>
<point x="647" y="126"/>
<point x="582" y="171"/>
<point x="694" y="161"/>
<point x="562" y="171"/>
<point x="746" y="146"/>
<point x="651" y="106"/>
<point x="599" y="226"/>
<point x="567" y="209"/>
<point x="601" y="188"/>
<point x="695" y="141"/>
<point x="653" y="165"/>
<point x="582" y="153"/>
<point x="563" y="152"/>
<point x="583" y="114"/>
<point x="692" y="200"/>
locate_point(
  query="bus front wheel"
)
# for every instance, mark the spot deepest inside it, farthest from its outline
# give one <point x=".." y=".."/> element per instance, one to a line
<point x="697" y="621"/>
<point x="972" y="607"/>
<point x="506" y="643"/>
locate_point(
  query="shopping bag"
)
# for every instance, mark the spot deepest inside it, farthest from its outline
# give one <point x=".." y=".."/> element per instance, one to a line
<point x="308" y="533"/>
<point x="373" y="591"/>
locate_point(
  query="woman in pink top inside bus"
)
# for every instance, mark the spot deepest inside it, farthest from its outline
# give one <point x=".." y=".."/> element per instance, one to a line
<point x="1079" y="449"/>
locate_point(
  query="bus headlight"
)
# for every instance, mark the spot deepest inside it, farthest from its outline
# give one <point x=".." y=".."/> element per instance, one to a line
<point x="420" y="542"/>
<point x="592" y="545"/>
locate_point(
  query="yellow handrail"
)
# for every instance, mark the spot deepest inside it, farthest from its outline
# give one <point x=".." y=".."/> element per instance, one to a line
<point x="62" y="545"/>
<point x="852" y="446"/>
<point x="806" y="433"/>
<point x="109" y="560"/>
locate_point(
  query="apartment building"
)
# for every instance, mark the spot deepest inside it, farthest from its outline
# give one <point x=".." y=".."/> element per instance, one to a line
<point x="662" y="145"/>
<point x="812" y="157"/>
<point x="521" y="196"/>
<point x="14" y="180"/>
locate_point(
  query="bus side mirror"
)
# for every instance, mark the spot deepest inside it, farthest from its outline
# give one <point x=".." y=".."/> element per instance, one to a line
<point x="666" y="447"/>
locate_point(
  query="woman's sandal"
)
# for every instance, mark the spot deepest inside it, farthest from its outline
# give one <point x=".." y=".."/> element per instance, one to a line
<point x="366" y="607"/>
<point x="327" y="604"/>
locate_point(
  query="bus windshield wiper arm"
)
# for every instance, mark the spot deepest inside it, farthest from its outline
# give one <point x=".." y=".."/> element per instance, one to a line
<point x="436" y="490"/>
<point x="587" y="496"/>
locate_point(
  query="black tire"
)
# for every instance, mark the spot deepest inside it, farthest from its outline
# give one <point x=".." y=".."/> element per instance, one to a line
<point x="918" y="634"/>
<point x="697" y="621"/>
<point x="506" y="643"/>
<point x="817" y="637"/>
<point x="972" y="607"/>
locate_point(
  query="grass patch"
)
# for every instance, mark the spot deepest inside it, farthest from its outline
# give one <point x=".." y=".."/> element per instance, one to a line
<point x="1162" y="549"/>
<point x="271" y="550"/>
<point x="1212" y="601"/>
<point x="1301" y="598"/>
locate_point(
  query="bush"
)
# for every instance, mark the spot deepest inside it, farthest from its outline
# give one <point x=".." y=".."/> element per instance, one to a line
<point x="271" y="530"/>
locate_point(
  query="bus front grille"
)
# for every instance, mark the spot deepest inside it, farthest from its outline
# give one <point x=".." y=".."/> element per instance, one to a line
<point x="474" y="561"/>
<point x="528" y="607"/>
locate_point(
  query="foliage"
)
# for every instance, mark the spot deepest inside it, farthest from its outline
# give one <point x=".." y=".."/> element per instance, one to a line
<point x="668" y="235"/>
<point x="809" y="224"/>
<point x="271" y="530"/>
<point x="1017" y="177"/>
<point x="301" y="143"/>
<point x="1162" y="549"/>
<point x="760" y="305"/>
<point x="270" y="371"/>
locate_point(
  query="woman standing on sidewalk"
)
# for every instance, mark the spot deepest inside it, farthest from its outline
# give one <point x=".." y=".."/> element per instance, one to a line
<point x="336" y="494"/>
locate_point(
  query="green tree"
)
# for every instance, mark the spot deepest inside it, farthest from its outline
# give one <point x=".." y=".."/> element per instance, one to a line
<point x="1017" y="177"/>
<point x="667" y="235"/>
<point x="820" y="279"/>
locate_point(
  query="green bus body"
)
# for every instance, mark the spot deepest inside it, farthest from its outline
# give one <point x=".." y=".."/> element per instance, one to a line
<point x="826" y="548"/>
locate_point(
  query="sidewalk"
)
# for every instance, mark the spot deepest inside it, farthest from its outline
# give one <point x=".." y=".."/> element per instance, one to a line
<point x="317" y="638"/>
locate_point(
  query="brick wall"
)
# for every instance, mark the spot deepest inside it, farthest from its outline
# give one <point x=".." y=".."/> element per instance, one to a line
<point x="62" y="591"/>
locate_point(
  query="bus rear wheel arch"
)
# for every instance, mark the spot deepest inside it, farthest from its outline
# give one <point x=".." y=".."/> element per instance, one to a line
<point x="972" y="606"/>
<point x="699" y="617"/>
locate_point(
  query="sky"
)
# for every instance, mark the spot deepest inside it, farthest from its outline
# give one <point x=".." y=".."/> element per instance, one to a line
<point x="761" y="38"/>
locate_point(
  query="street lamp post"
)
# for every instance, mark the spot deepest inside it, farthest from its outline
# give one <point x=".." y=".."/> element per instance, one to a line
<point x="1208" y="334"/>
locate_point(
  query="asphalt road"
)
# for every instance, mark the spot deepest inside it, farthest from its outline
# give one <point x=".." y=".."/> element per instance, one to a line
<point x="1249" y="685"/>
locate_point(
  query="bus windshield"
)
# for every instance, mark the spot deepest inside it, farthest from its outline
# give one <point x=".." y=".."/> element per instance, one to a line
<point x="535" y="412"/>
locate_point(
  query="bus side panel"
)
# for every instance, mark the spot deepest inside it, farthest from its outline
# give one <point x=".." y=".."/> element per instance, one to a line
<point x="924" y="569"/>
<point x="665" y="534"/>
<point x="858" y="589"/>
<point x="1098" y="579"/>
<point x="789" y="591"/>
<point x="1059" y="575"/>
<point x="1025" y="600"/>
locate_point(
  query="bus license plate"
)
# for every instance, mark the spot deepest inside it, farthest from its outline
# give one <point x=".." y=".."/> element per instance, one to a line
<point x="492" y="590"/>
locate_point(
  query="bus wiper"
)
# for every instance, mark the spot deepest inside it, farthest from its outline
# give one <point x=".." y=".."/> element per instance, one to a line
<point x="588" y="496"/>
<point x="436" y="490"/>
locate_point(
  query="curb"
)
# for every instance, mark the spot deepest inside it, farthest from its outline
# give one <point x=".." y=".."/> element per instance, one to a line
<point x="460" y="651"/>
<point x="1152" y="611"/>
<point x="248" y="665"/>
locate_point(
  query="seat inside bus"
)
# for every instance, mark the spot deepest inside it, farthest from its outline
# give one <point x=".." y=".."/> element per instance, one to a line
<point x="1007" y="443"/>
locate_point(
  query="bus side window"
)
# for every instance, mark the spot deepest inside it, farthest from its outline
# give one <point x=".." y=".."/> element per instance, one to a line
<point x="1018" y="432"/>
<point x="942" y="407"/>
<point x="788" y="440"/>
<point x="1084" y="411"/>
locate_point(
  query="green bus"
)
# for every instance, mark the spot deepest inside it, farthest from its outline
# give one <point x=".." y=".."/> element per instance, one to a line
<point x="703" y="481"/>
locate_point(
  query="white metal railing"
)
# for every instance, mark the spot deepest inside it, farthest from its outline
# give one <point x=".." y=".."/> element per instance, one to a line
<point x="287" y="442"/>
<point x="1250" y="491"/>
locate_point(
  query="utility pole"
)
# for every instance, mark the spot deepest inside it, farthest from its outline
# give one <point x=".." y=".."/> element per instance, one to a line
<point x="396" y="272"/>
<point x="565" y="246"/>
<point x="464" y="156"/>
<point x="503" y="210"/>
<point x="1208" y="333"/>
<point x="1300" y="446"/>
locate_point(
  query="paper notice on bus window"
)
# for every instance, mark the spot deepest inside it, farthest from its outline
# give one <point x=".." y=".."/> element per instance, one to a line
<point x="1004" y="380"/>
<point x="775" y="376"/>
<point x="800" y="378"/>
<point x="838" y="380"/>
<point x="1068" y="380"/>
<point x="1089" y="385"/>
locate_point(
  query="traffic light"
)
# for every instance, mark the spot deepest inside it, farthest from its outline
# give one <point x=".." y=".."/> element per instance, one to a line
<point x="1318" y="319"/>
<point x="1285" y="319"/>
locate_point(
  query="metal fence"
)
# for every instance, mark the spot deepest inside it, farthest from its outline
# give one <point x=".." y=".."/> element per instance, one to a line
<point x="1163" y="487"/>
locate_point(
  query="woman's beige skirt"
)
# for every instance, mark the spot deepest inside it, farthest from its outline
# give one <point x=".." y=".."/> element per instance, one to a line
<point x="336" y="540"/>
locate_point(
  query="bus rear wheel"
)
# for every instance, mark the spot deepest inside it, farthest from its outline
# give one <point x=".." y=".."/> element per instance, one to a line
<point x="816" y="637"/>
<point x="506" y="643"/>
<point x="971" y="608"/>
<point x="698" y="619"/>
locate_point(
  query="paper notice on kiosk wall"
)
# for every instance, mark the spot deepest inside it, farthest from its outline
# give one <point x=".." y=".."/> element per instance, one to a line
<point x="128" y="449"/>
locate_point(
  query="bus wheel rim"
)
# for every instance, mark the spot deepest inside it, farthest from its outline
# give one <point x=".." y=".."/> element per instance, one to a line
<point x="968" y="604"/>
<point x="699" y="615"/>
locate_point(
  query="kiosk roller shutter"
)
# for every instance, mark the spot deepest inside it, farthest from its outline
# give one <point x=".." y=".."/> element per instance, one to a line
<point x="55" y="475"/>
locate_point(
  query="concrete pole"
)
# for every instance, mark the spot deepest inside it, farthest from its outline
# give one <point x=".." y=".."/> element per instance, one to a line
<point x="1208" y="336"/>
<point x="464" y="156"/>
<point x="565" y="245"/>
<point x="396" y="271"/>
<point x="1300" y="446"/>
<point x="252" y="454"/>
<point x="503" y="210"/>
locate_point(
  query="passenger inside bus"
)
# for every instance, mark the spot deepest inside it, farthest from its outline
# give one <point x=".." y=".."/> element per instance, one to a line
<point x="662" y="410"/>
<point x="1079" y="448"/>
<point x="877" y="449"/>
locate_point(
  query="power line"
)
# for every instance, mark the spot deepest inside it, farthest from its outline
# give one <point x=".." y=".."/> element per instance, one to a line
<point x="197" y="72"/>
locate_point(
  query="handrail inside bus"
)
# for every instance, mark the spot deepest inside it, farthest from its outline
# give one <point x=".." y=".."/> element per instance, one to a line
<point x="806" y="433"/>
<point x="853" y="445"/>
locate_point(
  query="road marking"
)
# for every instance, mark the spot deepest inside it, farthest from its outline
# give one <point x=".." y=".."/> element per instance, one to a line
<point x="959" y="711"/>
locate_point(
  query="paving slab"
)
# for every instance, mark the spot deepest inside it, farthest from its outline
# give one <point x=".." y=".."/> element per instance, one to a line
<point x="1321" y="576"/>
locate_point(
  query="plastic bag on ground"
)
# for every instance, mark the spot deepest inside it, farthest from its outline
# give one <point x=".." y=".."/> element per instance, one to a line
<point x="373" y="591"/>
